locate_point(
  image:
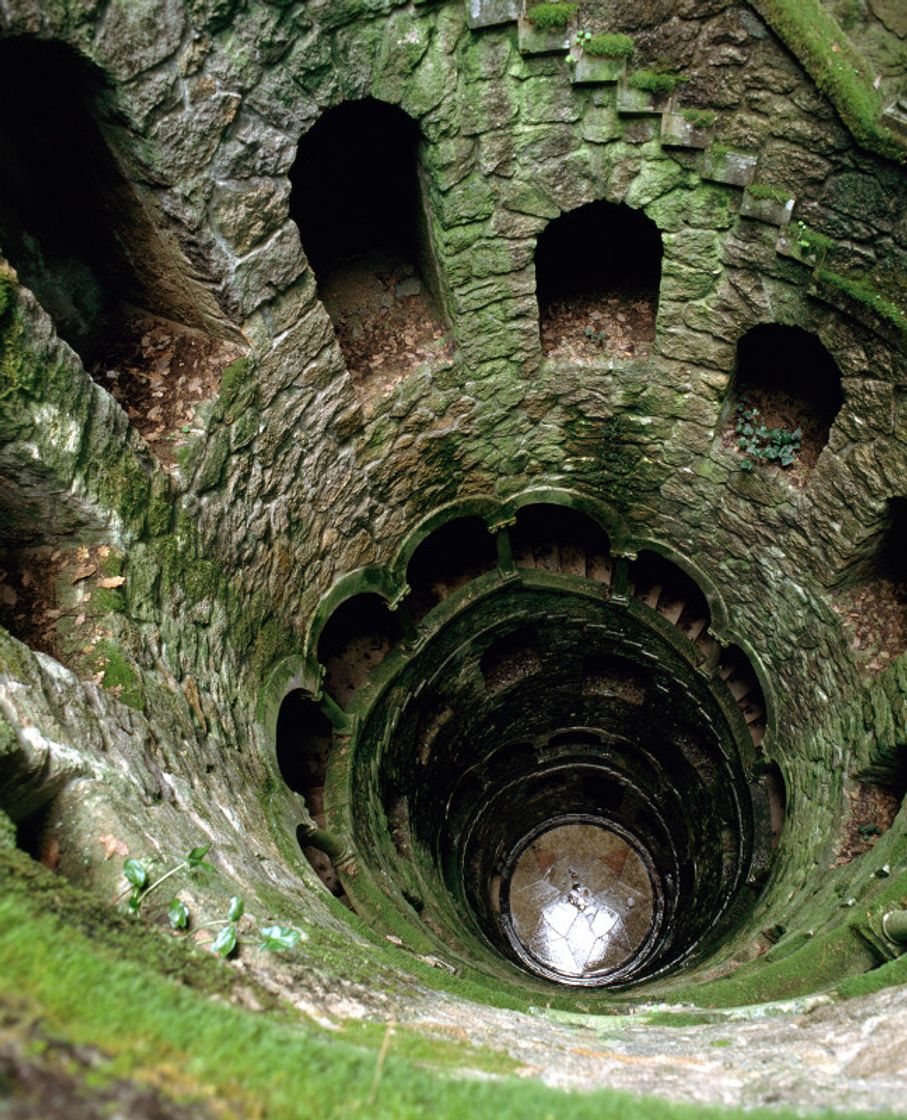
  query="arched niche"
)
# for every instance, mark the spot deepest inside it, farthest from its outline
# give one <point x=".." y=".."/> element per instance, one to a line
<point x="355" y="640"/>
<point x="784" y="381"/>
<point x="598" y="272"/>
<point x="302" y="742"/>
<point x="560" y="539"/>
<point x="71" y="223"/>
<point x="357" y="200"/>
<point x="674" y="594"/>
<point x="457" y="552"/>
<point x="871" y="591"/>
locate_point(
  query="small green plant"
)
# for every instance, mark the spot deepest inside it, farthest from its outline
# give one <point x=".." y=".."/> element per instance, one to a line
<point x="656" y="80"/>
<point x="812" y="244"/>
<point x="274" y="938"/>
<point x="758" y="443"/>
<point x="551" y="17"/>
<point x="867" y="830"/>
<point x="600" y="338"/>
<point x="139" y="879"/>
<point x="605" y="46"/>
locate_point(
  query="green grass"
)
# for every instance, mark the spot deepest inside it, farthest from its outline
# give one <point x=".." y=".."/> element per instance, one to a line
<point x="699" y="118"/>
<point x="551" y="17"/>
<point x="811" y="32"/>
<point x="609" y="46"/>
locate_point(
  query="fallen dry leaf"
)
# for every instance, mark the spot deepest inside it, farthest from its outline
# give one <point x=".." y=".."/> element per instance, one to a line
<point x="112" y="846"/>
<point x="112" y="581"/>
<point x="84" y="572"/>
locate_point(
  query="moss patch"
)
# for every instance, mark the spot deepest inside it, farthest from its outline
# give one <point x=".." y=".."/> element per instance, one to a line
<point x="257" y="1064"/>
<point x="810" y="30"/>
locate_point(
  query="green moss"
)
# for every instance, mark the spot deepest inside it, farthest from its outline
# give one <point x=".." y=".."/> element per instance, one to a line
<point x="699" y="118"/>
<point x="764" y="191"/>
<point x="259" y="1063"/>
<point x="870" y="297"/>
<point x="817" y="965"/>
<point x="655" y="80"/>
<point x="118" y="674"/>
<point x="810" y="30"/>
<point x="7" y="833"/>
<point x="422" y="1050"/>
<point x="79" y="913"/>
<point x="551" y="17"/>
<point x="609" y="46"/>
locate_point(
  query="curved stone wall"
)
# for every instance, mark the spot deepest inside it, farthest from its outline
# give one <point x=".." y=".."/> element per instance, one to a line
<point x="189" y="573"/>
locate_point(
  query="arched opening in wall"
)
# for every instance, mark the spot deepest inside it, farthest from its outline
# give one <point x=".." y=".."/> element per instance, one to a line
<point x="357" y="200"/>
<point x="872" y="595"/>
<point x="78" y="236"/>
<point x="51" y="565"/>
<point x="302" y="743"/>
<point x="668" y="589"/>
<point x="559" y="539"/>
<point x="458" y="552"/>
<point x="355" y="640"/>
<point x="598" y="271"/>
<point x="786" y="394"/>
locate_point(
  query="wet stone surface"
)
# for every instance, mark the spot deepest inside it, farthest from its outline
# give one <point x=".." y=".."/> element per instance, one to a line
<point x="581" y="902"/>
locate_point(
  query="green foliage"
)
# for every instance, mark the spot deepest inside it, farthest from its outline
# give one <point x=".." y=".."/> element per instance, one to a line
<point x="273" y="938"/>
<point x="605" y="46"/>
<point x="551" y="17"/>
<point x="699" y="118"/>
<point x="758" y="443"/>
<point x="137" y="875"/>
<point x="225" y="942"/>
<point x="178" y="914"/>
<point x="279" y="938"/>
<point x="810" y="30"/>
<point x="600" y="338"/>
<point x="764" y="191"/>
<point x="655" y="80"/>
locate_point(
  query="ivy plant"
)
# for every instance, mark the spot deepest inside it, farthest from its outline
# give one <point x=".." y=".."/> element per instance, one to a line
<point x="274" y="938"/>
<point x="758" y="443"/>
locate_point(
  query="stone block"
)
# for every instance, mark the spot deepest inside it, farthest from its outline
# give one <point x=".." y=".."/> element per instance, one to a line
<point x="590" y="71"/>
<point x="774" y="211"/>
<point x="491" y="13"/>
<point x="555" y="41"/>
<point x="640" y="101"/>
<point x="736" y="169"/>
<point x="678" y="132"/>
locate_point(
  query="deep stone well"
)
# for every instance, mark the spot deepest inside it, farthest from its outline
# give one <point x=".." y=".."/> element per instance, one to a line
<point x="374" y="627"/>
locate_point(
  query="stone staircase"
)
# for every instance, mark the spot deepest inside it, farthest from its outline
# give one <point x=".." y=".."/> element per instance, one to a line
<point x="693" y="130"/>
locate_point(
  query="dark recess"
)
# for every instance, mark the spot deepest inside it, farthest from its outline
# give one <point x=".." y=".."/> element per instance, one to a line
<point x="355" y="186"/>
<point x="598" y="249"/>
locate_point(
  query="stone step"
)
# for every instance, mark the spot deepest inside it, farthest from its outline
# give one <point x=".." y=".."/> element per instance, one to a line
<point x="640" y="102"/>
<point x="491" y="13"/>
<point x="678" y="131"/>
<point x="591" y="71"/>
<point x="771" y="209"/>
<point x="734" y="169"/>
<point x="533" y="42"/>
